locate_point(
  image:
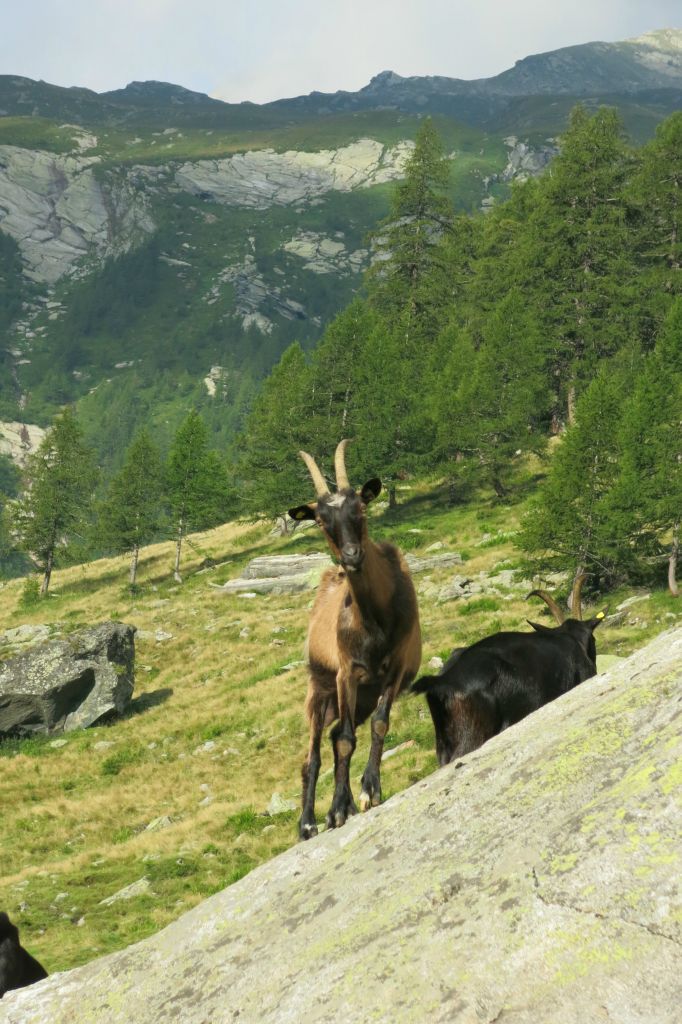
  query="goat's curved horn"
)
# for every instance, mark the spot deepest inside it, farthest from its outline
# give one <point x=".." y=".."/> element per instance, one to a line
<point x="319" y="481"/>
<point x="550" y="602"/>
<point x="340" y="465"/>
<point x="576" y="607"/>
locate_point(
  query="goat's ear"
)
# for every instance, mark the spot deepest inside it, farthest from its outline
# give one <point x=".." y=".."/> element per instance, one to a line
<point x="598" y="619"/>
<point x="371" y="490"/>
<point x="303" y="512"/>
<point x="539" y="628"/>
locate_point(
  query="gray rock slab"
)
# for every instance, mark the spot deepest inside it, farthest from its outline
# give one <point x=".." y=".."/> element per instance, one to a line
<point x="536" y="881"/>
<point x="273" y="585"/>
<point x="69" y="683"/>
<point x="441" y="561"/>
<point x="267" y="566"/>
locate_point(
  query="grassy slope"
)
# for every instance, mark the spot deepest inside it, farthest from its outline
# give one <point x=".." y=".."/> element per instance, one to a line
<point x="74" y="817"/>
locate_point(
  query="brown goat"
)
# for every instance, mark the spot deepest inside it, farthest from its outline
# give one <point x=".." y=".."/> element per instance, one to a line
<point x="364" y="641"/>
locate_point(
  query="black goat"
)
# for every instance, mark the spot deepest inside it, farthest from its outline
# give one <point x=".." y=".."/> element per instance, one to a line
<point x="17" y="967"/>
<point x="496" y="682"/>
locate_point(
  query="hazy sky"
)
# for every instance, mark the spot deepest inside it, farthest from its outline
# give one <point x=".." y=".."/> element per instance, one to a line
<point x="268" y="49"/>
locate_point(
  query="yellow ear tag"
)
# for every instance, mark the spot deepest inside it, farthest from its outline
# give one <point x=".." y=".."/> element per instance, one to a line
<point x="300" y="515"/>
<point x="599" y="615"/>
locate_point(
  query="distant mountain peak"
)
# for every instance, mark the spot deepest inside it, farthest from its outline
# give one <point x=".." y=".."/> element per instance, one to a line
<point x="667" y="39"/>
<point x="383" y="79"/>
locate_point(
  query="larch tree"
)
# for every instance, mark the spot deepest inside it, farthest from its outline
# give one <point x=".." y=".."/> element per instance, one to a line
<point x="59" y="482"/>
<point x="196" y="483"/>
<point x="280" y="424"/>
<point x="131" y="513"/>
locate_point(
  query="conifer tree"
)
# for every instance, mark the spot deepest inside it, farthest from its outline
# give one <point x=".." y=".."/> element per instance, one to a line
<point x="131" y="513"/>
<point x="196" y="483"/>
<point x="570" y="525"/>
<point x="647" y="497"/>
<point x="408" y="280"/>
<point x="278" y="427"/>
<point x="576" y="251"/>
<point x="655" y="195"/>
<point x="60" y="478"/>
<point x="492" y="402"/>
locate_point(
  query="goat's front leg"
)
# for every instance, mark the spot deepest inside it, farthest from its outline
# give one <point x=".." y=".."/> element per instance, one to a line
<point x="370" y="795"/>
<point x="343" y="742"/>
<point x="317" y="710"/>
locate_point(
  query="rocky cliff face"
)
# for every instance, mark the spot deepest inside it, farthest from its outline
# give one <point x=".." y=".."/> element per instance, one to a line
<point x="58" y="211"/>
<point x="537" y="880"/>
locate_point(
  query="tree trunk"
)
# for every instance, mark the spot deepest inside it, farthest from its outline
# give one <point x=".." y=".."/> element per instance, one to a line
<point x="579" y="570"/>
<point x="178" y="545"/>
<point x="392" y="501"/>
<point x="133" y="564"/>
<point x="498" y="486"/>
<point x="570" y="405"/>
<point x="48" y="574"/>
<point x="672" y="561"/>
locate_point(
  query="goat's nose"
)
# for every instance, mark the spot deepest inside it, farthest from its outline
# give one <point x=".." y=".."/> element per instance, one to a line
<point x="350" y="552"/>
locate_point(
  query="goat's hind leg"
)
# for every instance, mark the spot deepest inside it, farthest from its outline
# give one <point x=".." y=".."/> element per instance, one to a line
<point x="316" y="706"/>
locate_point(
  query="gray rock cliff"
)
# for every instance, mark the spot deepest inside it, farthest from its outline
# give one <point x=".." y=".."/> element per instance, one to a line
<point x="535" y="882"/>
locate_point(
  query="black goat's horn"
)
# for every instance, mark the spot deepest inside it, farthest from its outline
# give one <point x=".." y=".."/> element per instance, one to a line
<point x="340" y="465"/>
<point x="550" y="602"/>
<point x="319" y="481"/>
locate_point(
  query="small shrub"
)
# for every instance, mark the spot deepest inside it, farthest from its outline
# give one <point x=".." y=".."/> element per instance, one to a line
<point x="30" y="593"/>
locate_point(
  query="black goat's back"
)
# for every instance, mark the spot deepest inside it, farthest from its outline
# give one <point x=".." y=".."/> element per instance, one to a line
<point x="17" y="967"/>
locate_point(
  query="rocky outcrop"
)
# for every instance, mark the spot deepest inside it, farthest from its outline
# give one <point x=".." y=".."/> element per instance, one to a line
<point x="536" y="880"/>
<point x="263" y="178"/>
<point x="325" y="255"/>
<point x="279" y="574"/>
<point x="68" y="684"/>
<point x="19" y="440"/>
<point x="59" y="211"/>
<point x="525" y="161"/>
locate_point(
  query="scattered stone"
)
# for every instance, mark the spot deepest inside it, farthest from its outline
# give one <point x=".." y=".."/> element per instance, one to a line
<point x="632" y="600"/>
<point x="269" y="828"/>
<point x="161" y="636"/>
<point x="436" y="546"/>
<point x="435" y="663"/>
<point x="58" y="743"/>
<point x="138" y="888"/>
<point x="397" y="750"/>
<point x="459" y="587"/>
<point x="205" y="747"/>
<point x="156" y="824"/>
<point x="280" y="805"/>
<point x="289" y="666"/>
<point x="103" y="745"/>
<point x="245" y="632"/>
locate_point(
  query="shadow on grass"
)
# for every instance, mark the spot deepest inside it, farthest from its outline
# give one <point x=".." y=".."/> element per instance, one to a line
<point x="147" y="701"/>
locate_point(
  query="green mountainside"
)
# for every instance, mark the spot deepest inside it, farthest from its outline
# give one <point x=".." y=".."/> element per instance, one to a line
<point x="160" y="249"/>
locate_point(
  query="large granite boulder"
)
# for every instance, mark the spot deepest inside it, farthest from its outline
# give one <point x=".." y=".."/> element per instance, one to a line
<point x="537" y="881"/>
<point x="69" y="683"/>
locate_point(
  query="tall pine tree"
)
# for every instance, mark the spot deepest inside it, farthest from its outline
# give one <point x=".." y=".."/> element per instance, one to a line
<point x="60" y="479"/>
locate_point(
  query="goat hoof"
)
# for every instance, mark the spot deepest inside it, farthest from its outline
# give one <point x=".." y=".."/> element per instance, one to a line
<point x="307" y="831"/>
<point x="365" y="801"/>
